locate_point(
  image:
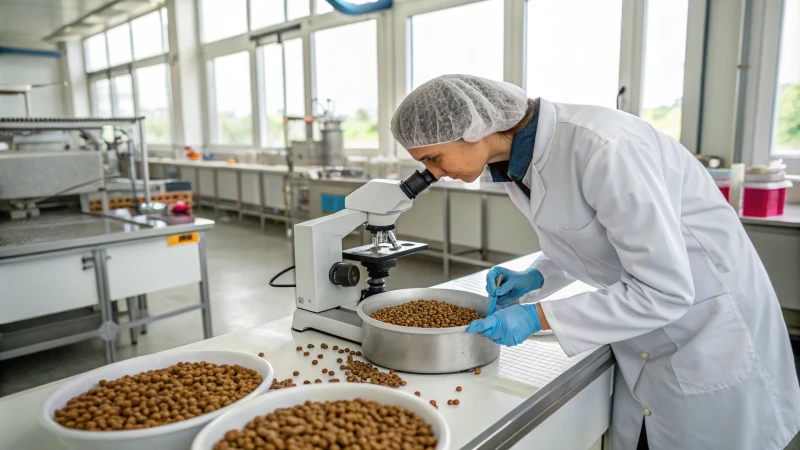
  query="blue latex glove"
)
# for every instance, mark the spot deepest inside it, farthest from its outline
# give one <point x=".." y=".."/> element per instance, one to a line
<point x="515" y="284"/>
<point x="509" y="326"/>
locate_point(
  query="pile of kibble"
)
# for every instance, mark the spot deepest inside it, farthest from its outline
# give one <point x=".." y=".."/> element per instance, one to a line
<point x="158" y="397"/>
<point x="333" y="425"/>
<point x="426" y="314"/>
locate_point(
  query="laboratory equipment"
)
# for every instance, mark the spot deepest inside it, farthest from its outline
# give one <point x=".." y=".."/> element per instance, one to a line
<point x="327" y="287"/>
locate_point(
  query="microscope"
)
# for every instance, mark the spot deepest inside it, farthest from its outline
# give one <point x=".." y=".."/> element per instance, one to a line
<point x="327" y="292"/>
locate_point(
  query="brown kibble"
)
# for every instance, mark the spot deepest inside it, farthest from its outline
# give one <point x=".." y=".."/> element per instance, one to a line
<point x="338" y="360"/>
<point x="319" y="356"/>
<point x="355" y="429"/>
<point x="306" y="353"/>
<point x="306" y="382"/>
<point x="358" y="353"/>
<point x="261" y="354"/>
<point x="391" y="370"/>
<point x="324" y="370"/>
<point x="299" y="348"/>
<point x="310" y="345"/>
<point x="296" y="373"/>
<point x="341" y="350"/>
<point x="342" y="367"/>
<point x="315" y="362"/>
<point x="456" y="402"/>
<point x="449" y="402"/>
<point x="330" y="372"/>
<point x="477" y="371"/>
<point x="433" y="402"/>
<point x="458" y="388"/>
<point x="336" y="347"/>
<point x="317" y="381"/>
<point x="159" y="397"/>
<point x="426" y="314"/>
<point x="324" y="346"/>
<point x="403" y="383"/>
<point x="417" y="393"/>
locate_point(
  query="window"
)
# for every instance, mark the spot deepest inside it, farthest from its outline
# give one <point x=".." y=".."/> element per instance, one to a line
<point x="154" y="103"/>
<point x="101" y="98"/>
<point x="445" y="42"/>
<point x="264" y="13"/>
<point x="323" y="7"/>
<point x="123" y="96"/>
<point x="221" y="19"/>
<point x="119" y="44"/>
<point x="573" y="50"/>
<point x="232" y="108"/>
<point x="150" y="35"/>
<point x="296" y="9"/>
<point x="664" y="57"/>
<point x="346" y="67"/>
<point x="94" y="50"/>
<point x="786" y="128"/>
<point x="274" y="100"/>
<point x="295" y="90"/>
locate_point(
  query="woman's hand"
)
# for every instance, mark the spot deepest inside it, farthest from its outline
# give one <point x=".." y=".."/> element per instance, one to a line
<point x="515" y="284"/>
<point x="510" y="326"/>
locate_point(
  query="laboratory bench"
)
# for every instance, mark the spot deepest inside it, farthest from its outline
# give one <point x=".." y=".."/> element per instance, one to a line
<point x="62" y="275"/>
<point x="532" y="395"/>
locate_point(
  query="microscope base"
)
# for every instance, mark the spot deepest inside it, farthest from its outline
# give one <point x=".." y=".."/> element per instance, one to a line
<point x="341" y="322"/>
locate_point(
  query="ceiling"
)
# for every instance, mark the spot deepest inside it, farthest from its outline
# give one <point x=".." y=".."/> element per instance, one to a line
<point x="26" y="22"/>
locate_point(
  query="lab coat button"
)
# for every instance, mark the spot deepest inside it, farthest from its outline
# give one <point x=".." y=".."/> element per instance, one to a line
<point x="646" y="411"/>
<point x="645" y="355"/>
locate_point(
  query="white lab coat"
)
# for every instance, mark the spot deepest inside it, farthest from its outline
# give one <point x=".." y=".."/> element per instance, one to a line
<point x="701" y="346"/>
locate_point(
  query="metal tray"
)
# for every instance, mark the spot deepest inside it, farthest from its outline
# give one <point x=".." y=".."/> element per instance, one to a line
<point x="424" y="350"/>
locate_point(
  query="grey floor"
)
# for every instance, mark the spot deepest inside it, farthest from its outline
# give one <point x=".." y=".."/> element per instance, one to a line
<point x="241" y="260"/>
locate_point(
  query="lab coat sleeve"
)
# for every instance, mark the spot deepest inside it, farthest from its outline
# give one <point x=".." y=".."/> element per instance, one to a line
<point x="554" y="279"/>
<point x="623" y="183"/>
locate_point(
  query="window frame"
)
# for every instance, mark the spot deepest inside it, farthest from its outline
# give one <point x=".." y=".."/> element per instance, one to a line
<point x="758" y="83"/>
<point x="130" y="68"/>
<point x="394" y="62"/>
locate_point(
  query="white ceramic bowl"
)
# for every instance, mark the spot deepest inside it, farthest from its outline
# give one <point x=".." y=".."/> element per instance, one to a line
<point x="238" y="417"/>
<point x="177" y="435"/>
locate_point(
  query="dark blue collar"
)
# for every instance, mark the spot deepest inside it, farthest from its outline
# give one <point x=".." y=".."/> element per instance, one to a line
<point x="516" y="167"/>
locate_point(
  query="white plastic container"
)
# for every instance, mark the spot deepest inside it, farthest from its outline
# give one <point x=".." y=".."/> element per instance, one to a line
<point x="237" y="418"/>
<point x="174" y="436"/>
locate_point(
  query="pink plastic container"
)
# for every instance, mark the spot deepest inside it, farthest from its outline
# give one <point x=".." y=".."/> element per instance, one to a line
<point x="764" y="199"/>
<point x="726" y="191"/>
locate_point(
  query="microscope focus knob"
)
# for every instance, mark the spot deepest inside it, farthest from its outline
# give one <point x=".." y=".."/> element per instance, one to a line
<point x="344" y="274"/>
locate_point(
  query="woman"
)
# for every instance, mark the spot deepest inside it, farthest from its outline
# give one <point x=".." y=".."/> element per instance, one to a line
<point x="702" y="350"/>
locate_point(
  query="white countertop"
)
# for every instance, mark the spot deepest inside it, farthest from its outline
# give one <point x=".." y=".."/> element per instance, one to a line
<point x="502" y="386"/>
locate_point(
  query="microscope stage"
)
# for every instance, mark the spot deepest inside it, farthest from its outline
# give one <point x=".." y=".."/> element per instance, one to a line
<point x="366" y="253"/>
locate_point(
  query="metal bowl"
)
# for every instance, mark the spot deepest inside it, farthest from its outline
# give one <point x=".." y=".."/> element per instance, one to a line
<point x="424" y="350"/>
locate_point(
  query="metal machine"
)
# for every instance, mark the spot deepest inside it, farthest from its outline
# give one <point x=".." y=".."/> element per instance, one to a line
<point x="327" y="287"/>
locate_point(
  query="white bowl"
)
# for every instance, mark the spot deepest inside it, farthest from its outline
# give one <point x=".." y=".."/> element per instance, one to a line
<point x="238" y="417"/>
<point x="176" y="435"/>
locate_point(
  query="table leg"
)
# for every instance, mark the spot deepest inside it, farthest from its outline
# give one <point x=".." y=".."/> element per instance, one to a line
<point x="446" y="233"/>
<point x="132" y="307"/>
<point x="108" y="329"/>
<point x="205" y="298"/>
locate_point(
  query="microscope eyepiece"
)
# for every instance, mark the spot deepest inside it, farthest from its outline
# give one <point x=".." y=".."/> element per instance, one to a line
<point x="416" y="183"/>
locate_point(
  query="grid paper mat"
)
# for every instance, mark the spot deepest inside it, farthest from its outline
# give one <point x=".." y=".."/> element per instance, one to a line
<point x="535" y="362"/>
<point x="57" y="227"/>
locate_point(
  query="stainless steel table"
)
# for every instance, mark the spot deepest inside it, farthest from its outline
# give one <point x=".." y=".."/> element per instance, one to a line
<point x="62" y="273"/>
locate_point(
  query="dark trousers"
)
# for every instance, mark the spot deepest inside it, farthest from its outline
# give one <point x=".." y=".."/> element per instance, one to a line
<point x="642" y="445"/>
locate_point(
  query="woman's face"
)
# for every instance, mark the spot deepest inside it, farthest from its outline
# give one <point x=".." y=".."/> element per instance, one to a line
<point x="458" y="160"/>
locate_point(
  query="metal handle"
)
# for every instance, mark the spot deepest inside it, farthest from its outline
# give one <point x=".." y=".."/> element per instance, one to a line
<point x="88" y="262"/>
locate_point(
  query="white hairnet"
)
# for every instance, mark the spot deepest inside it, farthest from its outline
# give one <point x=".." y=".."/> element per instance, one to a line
<point x="454" y="107"/>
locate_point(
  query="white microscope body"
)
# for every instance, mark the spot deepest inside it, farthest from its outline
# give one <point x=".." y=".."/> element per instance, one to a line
<point x="327" y="287"/>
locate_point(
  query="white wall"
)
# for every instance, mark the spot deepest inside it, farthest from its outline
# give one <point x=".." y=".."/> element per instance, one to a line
<point x="29" y="69"/>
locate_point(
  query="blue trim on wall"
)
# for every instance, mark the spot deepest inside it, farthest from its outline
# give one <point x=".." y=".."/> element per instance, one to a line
<point x="345" y="7"/>
<point x="27" y="52"/>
